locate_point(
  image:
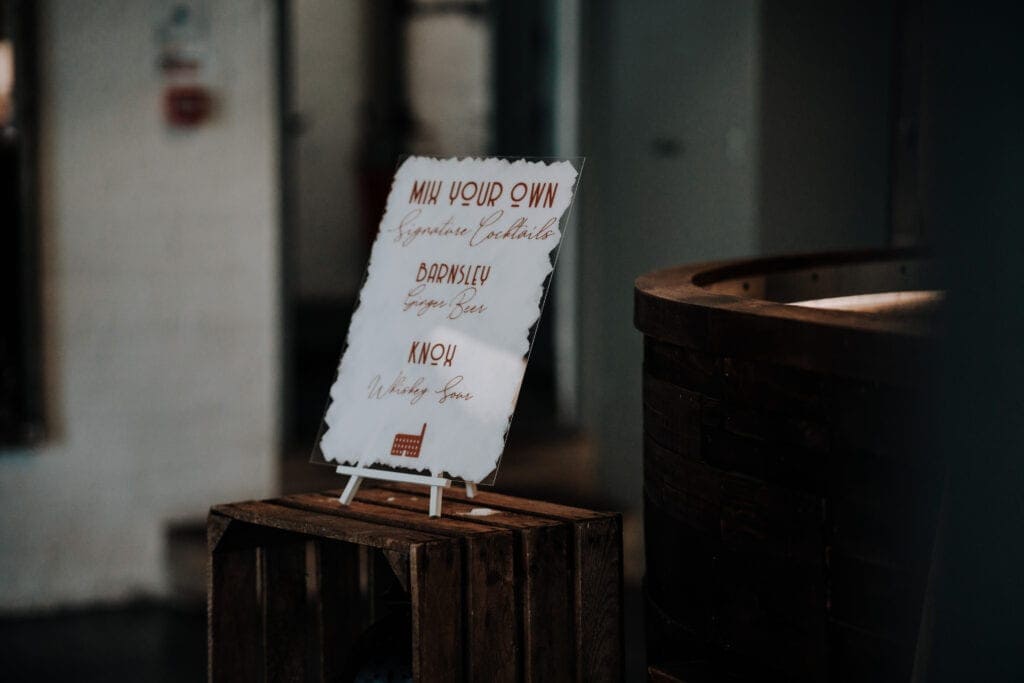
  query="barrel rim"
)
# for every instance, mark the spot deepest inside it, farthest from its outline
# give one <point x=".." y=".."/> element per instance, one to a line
<point x="674" y="305"/>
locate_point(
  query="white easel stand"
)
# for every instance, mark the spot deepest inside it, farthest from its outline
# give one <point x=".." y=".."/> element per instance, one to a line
<point x="436" y="484"/>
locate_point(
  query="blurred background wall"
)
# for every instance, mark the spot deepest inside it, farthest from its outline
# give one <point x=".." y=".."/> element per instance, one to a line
<point x="160" y="304"/>
<point x="329" y="71"/>
<point x="716" y="130"/>
<point x="197" y="283"/>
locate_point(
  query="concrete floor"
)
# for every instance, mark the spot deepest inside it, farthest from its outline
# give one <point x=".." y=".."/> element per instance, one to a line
<point x="142" y="642"/>
<point x="149" y="643"/>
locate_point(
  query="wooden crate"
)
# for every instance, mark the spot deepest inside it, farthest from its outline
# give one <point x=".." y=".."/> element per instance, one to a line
<point x="527" y="591"/>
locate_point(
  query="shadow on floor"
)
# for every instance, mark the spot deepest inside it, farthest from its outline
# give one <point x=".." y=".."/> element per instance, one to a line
<point x="146" y="643"/>
<point x="141" y="642"/>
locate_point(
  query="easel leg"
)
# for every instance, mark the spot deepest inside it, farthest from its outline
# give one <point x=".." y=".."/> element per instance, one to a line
<point x="351" y="488"/>
<point x="435" y="501"/>
<point x="470" y="490"/>
<point x="357" y="474"/>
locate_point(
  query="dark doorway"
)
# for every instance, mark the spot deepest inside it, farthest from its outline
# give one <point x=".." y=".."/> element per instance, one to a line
<point x="21" y="409"/>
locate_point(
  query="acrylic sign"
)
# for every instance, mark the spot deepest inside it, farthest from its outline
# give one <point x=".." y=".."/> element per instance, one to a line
<point x="438" y="345"/>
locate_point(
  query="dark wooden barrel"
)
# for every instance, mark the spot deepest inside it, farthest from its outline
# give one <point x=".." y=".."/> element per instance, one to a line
<point x="789" y="507"/>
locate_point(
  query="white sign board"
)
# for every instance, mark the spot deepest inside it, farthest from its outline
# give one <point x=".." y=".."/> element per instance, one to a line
<point x="438" y="345"/>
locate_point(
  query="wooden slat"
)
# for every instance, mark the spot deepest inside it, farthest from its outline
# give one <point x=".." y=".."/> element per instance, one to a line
<point x="689" y="490"/>
<point x="234" y="616"/>
<point x="680" y="366"/>
<point x="776" y="388"/>
<point x="216" y="526"/>
<point x="778" y="464"/>
<point x="542" y="588"/>
<point x="771" y="401"/>
<point x="677" y="431"/>
<point x="598" y="600"/>
<point x="401" y="518"/>
<point x="770" y="520"/>
<point x="796" y="338"/>
<point x="276" y="516"/>
<point x="340" y="621"/>
<point x="492" y="651"/>
<point x="670" y="643"/>
<point x="775" y="614"/>
<point x="500" y="501"/>
<point x="783" y="429"/>
<point x="285" y="617"/>
<point x="597" y="574"/>
<point x="437" y="626"/>
<point x="774" y="460"/>
<point x="711" y="527"/>
<point x="593" y="565"/>
<point x="547" y="604"/>
<point x="784" y="457"/>
<point x="392" y="495"/>
<point x="681" y="568"/>
<point x="789" y="451"/>
<point x="544" y="572"/>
